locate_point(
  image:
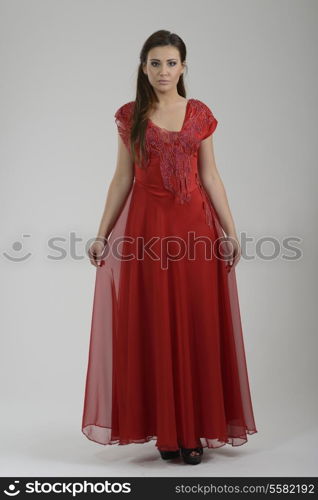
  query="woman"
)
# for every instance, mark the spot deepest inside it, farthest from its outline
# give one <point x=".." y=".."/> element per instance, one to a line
<point x="166" y="357"/>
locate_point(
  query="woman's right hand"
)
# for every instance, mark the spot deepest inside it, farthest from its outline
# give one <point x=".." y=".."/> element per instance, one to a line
<point x="96" y="251"/>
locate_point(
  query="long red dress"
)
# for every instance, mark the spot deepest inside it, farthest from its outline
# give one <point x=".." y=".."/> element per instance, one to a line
<point x="166" y="357"/>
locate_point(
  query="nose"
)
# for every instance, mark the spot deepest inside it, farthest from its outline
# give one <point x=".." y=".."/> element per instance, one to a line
<point x="164" y="71"/>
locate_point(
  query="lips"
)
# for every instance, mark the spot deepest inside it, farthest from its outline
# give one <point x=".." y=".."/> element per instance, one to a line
<point x="163" y="81"/>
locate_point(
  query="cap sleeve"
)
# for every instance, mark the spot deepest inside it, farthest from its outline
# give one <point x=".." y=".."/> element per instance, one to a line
<point x="123" y="121"/>
<point x="209" y="122"/>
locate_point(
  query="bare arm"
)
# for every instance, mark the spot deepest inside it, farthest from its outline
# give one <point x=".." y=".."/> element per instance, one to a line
<point x="118" y="191"/>
<point x="213" y="184"/>
<point x="214" y="187"/>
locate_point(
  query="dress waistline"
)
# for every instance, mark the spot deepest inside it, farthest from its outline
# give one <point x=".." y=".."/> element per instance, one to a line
<point x="158" y="190"/>
<point x="162" y="192"/>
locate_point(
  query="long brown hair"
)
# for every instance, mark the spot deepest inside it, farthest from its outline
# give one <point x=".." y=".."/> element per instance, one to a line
<point x="145" y="95"/>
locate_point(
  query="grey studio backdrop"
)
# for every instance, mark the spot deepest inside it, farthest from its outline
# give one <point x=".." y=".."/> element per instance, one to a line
<point x="66" y="67"/>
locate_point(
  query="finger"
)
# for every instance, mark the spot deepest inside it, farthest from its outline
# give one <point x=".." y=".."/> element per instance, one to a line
<point x="93" y="259"/>
<point x="98" y="259"/>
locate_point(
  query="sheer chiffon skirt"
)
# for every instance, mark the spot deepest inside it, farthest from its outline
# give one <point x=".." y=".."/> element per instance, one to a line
<point x="166" y="355"/>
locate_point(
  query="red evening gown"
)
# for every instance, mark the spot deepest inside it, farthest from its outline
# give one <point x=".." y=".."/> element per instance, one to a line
<point x="166" y="357"/>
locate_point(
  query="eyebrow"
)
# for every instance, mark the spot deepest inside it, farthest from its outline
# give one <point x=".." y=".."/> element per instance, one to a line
<point x="172" y="59"/>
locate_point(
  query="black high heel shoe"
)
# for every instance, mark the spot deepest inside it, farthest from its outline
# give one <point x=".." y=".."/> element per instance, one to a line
<point x="166" y="455"/>
<point x="192" y="459"/>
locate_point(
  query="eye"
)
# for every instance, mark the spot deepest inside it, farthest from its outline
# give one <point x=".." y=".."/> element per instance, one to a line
<point x="155" y="63"/>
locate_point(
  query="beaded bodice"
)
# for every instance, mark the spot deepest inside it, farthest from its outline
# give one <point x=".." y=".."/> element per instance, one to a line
<point x="174" y="150"/>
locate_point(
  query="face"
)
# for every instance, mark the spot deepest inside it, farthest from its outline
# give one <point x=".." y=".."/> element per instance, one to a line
<point x="163" y="68"/>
